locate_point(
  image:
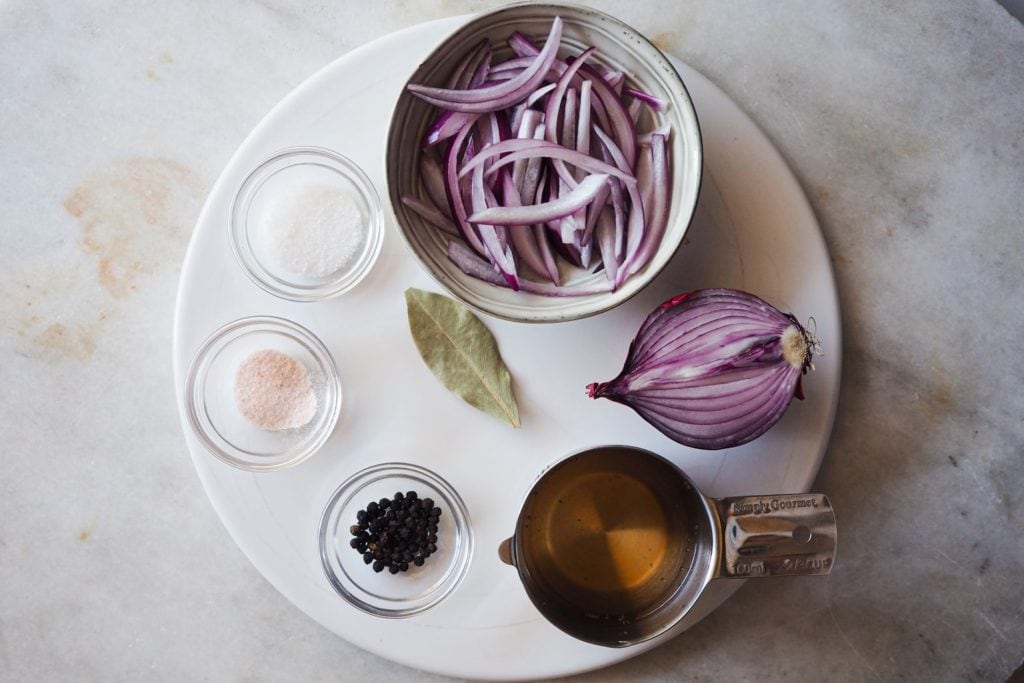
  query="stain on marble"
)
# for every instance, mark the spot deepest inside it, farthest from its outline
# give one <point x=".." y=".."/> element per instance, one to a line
<point x="48" y="313"/>
<point x="133" y="219"/>
<point x="152" y="72"/>
<point x="59" y="341"/>
<point x="128" y="218"/>
<point x="84" y="535"/>
<point x="939" y="394"/>
<point x="665" y="40"/>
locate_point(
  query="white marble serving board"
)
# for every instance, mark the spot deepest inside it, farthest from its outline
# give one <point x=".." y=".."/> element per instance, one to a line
<point x="754" y="230"/>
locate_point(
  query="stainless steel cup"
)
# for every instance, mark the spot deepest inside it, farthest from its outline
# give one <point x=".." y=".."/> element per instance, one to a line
<point x="614" y="545"/>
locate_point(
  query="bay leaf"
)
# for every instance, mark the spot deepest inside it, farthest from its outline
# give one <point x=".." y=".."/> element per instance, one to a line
<point x="462" y="353"/>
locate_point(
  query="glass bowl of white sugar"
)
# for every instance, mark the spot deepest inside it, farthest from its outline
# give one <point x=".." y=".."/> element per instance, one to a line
<point x="262" y="393"/>
<point x="307" y="224"/>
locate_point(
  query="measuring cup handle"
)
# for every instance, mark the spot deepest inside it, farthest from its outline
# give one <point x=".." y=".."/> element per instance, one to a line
<point x="784" y="535"/>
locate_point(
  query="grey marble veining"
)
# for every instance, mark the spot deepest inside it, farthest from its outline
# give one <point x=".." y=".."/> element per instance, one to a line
<point x="905" y="124"/>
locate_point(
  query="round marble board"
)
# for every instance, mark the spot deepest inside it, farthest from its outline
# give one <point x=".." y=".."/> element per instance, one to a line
<point x="753" y="230"/>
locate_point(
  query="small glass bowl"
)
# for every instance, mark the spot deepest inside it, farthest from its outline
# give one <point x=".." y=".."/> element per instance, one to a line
<point x="281" y="177"/>
<point x="406" y="593"/>
<point x="212" y="409"/>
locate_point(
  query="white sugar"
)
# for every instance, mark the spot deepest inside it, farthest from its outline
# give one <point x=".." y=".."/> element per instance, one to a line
<point x="314" y="233"/>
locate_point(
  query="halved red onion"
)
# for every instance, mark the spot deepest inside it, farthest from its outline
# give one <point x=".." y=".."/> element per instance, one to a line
<point x="713" y="369"/>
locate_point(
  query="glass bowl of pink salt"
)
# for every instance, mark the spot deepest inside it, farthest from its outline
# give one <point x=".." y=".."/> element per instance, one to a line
<point x="262" y="393"/>
<point x="307" y="224"/>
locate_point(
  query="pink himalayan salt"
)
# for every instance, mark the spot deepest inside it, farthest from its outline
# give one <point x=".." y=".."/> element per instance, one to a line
<point x="273" y="391"/>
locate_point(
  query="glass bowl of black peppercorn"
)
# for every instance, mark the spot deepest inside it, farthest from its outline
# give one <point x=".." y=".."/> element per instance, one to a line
<point x="395" y="540"/>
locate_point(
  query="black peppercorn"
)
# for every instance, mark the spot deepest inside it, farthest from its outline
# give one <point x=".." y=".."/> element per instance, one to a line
<point x="393" y="533"/>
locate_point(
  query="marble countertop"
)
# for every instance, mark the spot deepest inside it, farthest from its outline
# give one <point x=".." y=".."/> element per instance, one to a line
<point x="904" y="124"/>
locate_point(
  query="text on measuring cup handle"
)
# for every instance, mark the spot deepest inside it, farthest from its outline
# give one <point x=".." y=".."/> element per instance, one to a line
<point x="777" y="535"/>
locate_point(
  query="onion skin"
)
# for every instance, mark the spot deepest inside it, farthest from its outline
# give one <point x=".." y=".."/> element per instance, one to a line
<point x="712" y="369"/>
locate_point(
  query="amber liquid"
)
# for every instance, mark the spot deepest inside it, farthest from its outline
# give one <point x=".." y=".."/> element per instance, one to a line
<point x="607" y="535"/>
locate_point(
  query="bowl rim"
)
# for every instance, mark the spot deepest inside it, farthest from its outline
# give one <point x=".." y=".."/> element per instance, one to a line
<point x="651" y="271"/>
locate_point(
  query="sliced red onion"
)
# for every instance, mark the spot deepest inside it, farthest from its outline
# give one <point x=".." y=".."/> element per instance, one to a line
<point x="531" y="176"/>
<point x="538" y="94"/>
<point x="635" y="223"/>
<point x="454" y="192"/>
<point x="522" y="237"/>
<point x="433" y="182"/>
<point x="554" y="191"/>
<point x="446" y="125"/>
<point x="661" y="181"/>
<point x="615" y="80"/>
<point x="467" y="67"/>
<point x="551" y="113"/>
<point x="473" y="265"/>
<point x="562" y="207"/>
<point x="531" y="148"/>
<point x="501" y="95"/>
<point x="500" y="255"/>
<point x="645" y="139"/>
<point x="616" y="119"/>
<point x="431" y="215"/>
<point x="525" y="128"/>
<point x="504" y="147"/>
<point x="605" y="234"/>
<point x="647" y="98"/>
<point x="583" y="130"/>
<point x="547" y="254"/>
<point x="594" y="212"/>
<point x="712" y="369"/>
<point x="634" y="110"/>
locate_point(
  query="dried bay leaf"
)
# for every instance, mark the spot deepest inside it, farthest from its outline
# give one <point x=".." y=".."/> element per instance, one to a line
<point x="461" y="352"/>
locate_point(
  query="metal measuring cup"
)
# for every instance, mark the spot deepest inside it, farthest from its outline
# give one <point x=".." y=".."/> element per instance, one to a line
<point x="690" y="542"/>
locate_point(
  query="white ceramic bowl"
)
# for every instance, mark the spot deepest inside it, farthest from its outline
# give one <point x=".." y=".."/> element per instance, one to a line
<point x="619" y="47"/>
